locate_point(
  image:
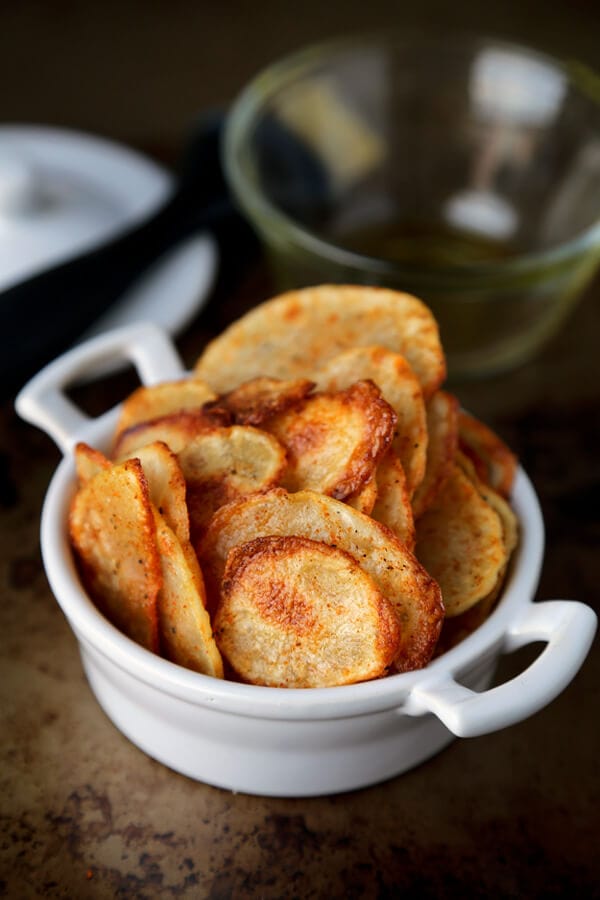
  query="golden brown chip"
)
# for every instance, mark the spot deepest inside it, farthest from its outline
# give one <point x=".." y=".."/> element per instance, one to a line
<point x="257" y="400"/>
<point x="396" y="572"/>
<point x="297" y="332"/>
<point x="442" y="426"/>
<point x="392" y="507"/>
<point x="168" y="494"/>
<point x="186" y="634"/>
<point x="400" y="387"/>
<point x="334" y="440"/>
<point x="510" y="525"/>
<point x="88" y="462"/>
<point x="364" y="499"/>
<point x="158" y="400"/>
<point x="494" y="462"/>
<point x="460" y="542"/>
<point x="223" y="464"/>
<point x="298" y="613"/>
<point x="113" y="533"/>
<point x="175" y="430"/>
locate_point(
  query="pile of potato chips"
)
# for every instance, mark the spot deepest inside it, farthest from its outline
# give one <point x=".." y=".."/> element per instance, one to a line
<point x="308" y="508"/>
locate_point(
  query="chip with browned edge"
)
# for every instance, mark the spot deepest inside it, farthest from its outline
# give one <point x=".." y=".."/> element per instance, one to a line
<point x="299" y="613"/>
<point x="113" y="533"/>
<point x="223" y="464"/>
<point x="154" y="401"/>
<point x="175" y="430"/>
<point x="295" y="333"/>
<point x="398" y="575"/>
<point x="334" y="439"/>
<point x="186" y="635"/>
<point x="257" y="400"/>
<point x="461" y="544"/>
<point x="442" y="427"/>
<point x="400" y="386"/>
<point x="495" y="463"/>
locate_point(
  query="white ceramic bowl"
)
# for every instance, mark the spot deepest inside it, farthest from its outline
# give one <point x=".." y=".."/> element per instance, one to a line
<point x="277" y="741"/>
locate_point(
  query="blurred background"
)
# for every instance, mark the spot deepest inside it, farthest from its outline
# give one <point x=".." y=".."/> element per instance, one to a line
<point x="140" y="71"/>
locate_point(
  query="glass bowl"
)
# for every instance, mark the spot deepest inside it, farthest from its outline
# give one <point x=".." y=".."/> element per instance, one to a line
<point x="465" y="171"/>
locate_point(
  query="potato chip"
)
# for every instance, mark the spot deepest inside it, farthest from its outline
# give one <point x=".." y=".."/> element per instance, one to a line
<point x="396" y="572"/>
<point x="223" y="464"/>
<point x="460" y="543"/>
<point x="297" y="332"/>
<point x="510" y="525"/>
<point x="257" y="400"/>
<point x="442" y="427"/>
<point x="392" y="507"/>
<point x="88" y="462"/>
<point x="175" y="430"/>
<point x="113" y="533"/>
<point x="326" y="456"/>
<point x="495" y="463"/>
<point x="364" y="499"/>
<point x="158" y="400"/>
<point x="400" y="387"/>
<point x="186" y="636"/>
<point x="298" y="613"/>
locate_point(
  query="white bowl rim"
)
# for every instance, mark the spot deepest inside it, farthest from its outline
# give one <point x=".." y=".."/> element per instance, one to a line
<point x="91" y="628"/>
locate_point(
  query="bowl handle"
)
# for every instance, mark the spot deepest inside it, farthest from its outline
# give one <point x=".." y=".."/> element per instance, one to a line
<point x="566" y="626"/>
<point x="43" y="401"/>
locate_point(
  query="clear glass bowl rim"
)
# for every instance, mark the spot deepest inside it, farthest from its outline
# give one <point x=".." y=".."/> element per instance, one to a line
<point x="250" y="102"/>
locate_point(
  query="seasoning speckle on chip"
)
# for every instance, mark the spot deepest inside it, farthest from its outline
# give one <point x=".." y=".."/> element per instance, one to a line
<point x="309" y="508"/>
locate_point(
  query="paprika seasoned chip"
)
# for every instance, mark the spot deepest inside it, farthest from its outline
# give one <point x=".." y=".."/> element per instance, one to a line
<point x="334" y="440"/>
<point x="396" y="572"/>
<point x="298" y="613"/>
<point x="461" y="544"/>
<point x="297" y="332"/>
<point x="442" y="428"/>
<point x="113" y="534"/>
<point x="186" y="636"/>
<point x="257" y="400"/>
<point x="494" y="462"/>
<point x="392" y="507"/>
<point x="175" y="430"/>
<point x="157" y="400"/>
<point x="400" y="387"/>
<point x="222" y="464"/>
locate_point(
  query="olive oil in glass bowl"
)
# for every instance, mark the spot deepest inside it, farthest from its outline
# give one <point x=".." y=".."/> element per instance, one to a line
<point x="465" y="171"/>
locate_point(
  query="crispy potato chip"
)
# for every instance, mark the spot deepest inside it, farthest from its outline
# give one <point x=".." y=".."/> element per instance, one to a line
<point x="88" y="462"/>
<point x="298" y="613"/>
<point x="460" y="543"/>
<point x="158" y="400"/>
<point x="175" y="430"/>
<point x="442" y="426"/>
<point x="400" y="387"/>
<point x="392" y="507"/>
<point x="334" y="440"/>
<point x="364" y="499"/>
<point x="166" y="485"/>
<point x="223" y="464"/>
<point x="113" y="533"/>
<point x="494" y="462"/>
<point x="510" y="525"/>
<point x="186" y="634"/>
<point x="257" y="400"/>
<point x="297" y="332"/>
<point x="398" y="575"/>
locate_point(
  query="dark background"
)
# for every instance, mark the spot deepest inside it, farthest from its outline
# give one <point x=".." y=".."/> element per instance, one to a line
<point x="140" y="71"/>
